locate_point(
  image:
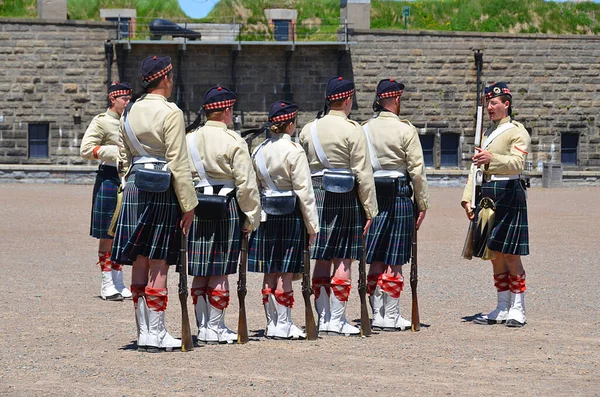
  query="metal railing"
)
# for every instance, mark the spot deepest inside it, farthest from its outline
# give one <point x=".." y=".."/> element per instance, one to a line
<point x="231" y="31"/>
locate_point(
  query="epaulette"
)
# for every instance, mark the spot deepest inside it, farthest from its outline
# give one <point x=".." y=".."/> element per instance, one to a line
<point x="407" y="122"/>
<point x="516" y="123"/>
<point x="101" y="115"/>
<point x="354" y="123"/>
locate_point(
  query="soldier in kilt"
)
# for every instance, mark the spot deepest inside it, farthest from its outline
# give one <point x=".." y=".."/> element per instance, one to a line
<point x="221" y="161"/>
<point x="101" y="141"/>
<point x="344" y="217"/>
<point x="502" y="208"/>
<point x="276" y="248"/>
<point x="396" y="157"/>
<point x="147" y="234"/>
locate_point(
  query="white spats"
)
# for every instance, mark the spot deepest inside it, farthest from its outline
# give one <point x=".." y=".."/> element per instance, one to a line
<point x="500" y="314"/>
<point x="107" y="290"/>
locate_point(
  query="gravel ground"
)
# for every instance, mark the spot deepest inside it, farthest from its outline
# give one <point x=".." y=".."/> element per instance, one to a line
<point x="58" y="338"/>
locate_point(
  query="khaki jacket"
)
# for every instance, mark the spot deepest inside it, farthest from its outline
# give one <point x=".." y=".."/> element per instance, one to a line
<point x="345" y="146"/>
<point x="509" y="150"/>
<point x="159" y="126"/>
<point x="398" y="148"/>
<point x="101" y="140"/>
<point x="225" y="156"/>
<point x="287" y="166"/>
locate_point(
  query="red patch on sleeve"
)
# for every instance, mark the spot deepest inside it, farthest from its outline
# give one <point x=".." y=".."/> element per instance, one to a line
<point x="520" y="150"/>
<point x="95" y="151"/>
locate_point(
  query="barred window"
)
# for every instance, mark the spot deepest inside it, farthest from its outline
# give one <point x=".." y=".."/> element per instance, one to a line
<point x="569" y="143"/>
<point x="427" y="143"/>
<point x="38" y="140"/>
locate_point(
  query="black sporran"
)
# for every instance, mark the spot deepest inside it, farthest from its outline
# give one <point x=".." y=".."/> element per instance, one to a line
<point x="151" y="180"/>
<point x="338" y="181"/>
<point x="386" y="187"/>
<point x="212" y="207"/>
<point x="278" y="205"/>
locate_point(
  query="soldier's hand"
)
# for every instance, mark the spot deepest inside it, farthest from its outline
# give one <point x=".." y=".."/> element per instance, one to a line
<point x="186" y="221"/>
<point x="468" y="210"/>
<point x="311" y="239"/>
<point x="482" y="157"/>
<point x="367" y="226"/>
<point x="420" y="219"/>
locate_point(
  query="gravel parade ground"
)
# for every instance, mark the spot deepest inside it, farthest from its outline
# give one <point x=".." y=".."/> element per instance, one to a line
<point x="58" y="338"/>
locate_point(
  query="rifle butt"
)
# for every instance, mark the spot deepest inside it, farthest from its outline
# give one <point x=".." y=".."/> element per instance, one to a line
<point x="310" y="325"/>
<point x="415" y="320"/>
<point x="311" y="328"/>
<point x="467" y="252"/>
<point x="242" y="323"/>
<point x="187" y="344"/>
<point x="365" y="321"/>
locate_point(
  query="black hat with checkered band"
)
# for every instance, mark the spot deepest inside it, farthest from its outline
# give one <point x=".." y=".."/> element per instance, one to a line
<point x="338" y="88"/>
<point x="218" y="98"/>
<point x="281" y="111"/>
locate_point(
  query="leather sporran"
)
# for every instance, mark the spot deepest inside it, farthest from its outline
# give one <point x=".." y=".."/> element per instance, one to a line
<point x="278" y="205"/>
<point x="153" y="181"/>
<point x="338" y="181"/>
<point x="386" y="187"/>
<point x="212" y="207"/>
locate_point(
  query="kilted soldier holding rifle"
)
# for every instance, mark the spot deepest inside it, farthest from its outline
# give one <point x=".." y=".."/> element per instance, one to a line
<point x="501" y="214"/>
<point x="289" y="216"/>
<point x="158" y="200"/>
<point x="101" y="141"/>
<point x="229" y="206"/>
<point x="345" y="192"/>
<point x="397" y="159"/>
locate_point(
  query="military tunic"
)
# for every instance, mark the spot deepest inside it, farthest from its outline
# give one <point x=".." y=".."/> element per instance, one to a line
<point x="503" y="185"/>
<point x="398" y="148"/>
<point x="345" y="146"/>
<point x="213" y="246"/>
<point x="278" y="244"/>
<point x="148" y="222"/>
<point x="101" y="141"/>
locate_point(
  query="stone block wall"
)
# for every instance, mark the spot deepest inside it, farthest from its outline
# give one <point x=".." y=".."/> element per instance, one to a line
<point x="47" y="70"/>
<point x="555" y="81"/>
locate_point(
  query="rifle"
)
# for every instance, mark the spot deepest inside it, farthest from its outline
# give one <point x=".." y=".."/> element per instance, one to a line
<point x="186" y="333"/>
<point x="311" y="327"/>
<point x="414" y="274"/>
<point x="476" y="179"/>
<point x="241" y="292"/>
<point x="365" y="322"/>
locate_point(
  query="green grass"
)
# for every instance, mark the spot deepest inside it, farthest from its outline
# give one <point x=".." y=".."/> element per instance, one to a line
<point x="319" y="19"/>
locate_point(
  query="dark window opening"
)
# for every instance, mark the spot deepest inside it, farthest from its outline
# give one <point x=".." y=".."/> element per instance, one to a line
<point x="38" y="140"/>
<point x="449" y="150"/>
<point x="123" y="25"/>
<point x="568" y="148"/>
<point x="427" y="145"/>
<point x="282" y="30"/>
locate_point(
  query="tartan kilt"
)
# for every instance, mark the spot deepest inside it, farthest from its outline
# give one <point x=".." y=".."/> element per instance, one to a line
<point x="148" y="224"/>
<point x="278" y="244"/>
<point x="104" y="201"/>
<point x="510" y="233"/>
<point x="214" y="246"/>
<point x="342" y="220"/>
<point x="389" y="239"/>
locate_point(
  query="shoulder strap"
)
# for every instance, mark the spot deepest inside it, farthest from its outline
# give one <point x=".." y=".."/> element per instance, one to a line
<point x="374" y="160"/>
<point x="496" y="134"/>
<point x="193" y="148"/>
<point x="135" y="142"/>
<point x="262" y="167"/>
<point x="317" y="144"/>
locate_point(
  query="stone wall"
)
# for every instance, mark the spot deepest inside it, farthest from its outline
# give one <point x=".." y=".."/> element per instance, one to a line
<point x="47" y="70"/>
<point x="555" y="82"/>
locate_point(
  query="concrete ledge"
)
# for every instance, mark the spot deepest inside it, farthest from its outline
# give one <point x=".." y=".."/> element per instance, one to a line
<point x="440" y="33"/>
<point x="86" y="174"/>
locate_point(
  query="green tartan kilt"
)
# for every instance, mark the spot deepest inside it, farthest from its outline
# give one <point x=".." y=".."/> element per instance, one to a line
<point x="342" y="219"/>
<point x="214" y="246"/>
<point x="148" y="224"/>
<point x="510" y="232"/>
<point x="104" y="200"/>
<point x="278" y="244"/>
<point x="389" y="239"/>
